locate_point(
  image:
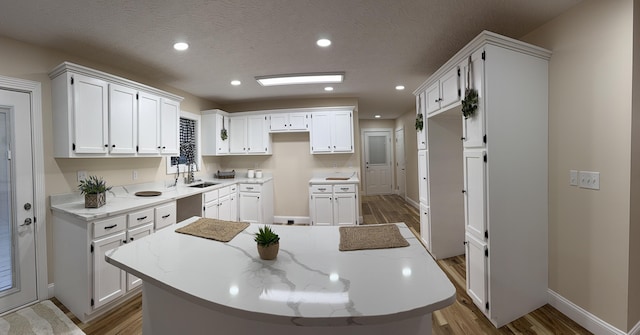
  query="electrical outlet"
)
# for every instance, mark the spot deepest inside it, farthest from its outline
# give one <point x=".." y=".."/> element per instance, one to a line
<point x="589" y="179"/>
<point x="82" y="175"/>
<point x="134" y="175"/>
<point x="573" y="177"/>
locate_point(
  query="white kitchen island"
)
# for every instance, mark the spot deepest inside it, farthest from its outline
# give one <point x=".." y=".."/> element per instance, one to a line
<point x="194" y="285"/>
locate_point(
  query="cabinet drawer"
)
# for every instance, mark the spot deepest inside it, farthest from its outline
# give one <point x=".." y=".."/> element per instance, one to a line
<point x="346" y="188"/>
<point x="210" y="196"/>
<point x="165" y="215"/>
<point x="140" y="217"/>
<point x="109" y="226"/>
<point x="321" y="189"/>
<point x="250" y="187"/>
<point x="224" y="191"/>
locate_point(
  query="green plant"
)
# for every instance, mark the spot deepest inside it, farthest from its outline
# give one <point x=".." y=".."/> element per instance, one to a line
<point x="419" y="122"/>
<point x="266" y="237"/>
<point x="93" y="185"/>
<point x="470" y="103"/>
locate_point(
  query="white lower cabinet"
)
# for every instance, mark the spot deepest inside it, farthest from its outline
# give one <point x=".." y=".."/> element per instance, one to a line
<point x="477" y="275"/>
<point x="425" y="227"/>
<point x="84" y="282"/>
<point x="255" y="202"/>
<point x="221" y="204"/>
<point x="333" y="204"/>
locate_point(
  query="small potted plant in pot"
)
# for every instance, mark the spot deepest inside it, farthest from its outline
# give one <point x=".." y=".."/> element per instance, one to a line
<point x="94" y="190"/>
<point x="268" y="243"/>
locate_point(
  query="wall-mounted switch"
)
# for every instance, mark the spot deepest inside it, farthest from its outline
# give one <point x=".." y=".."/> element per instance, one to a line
<point x="589" y="179"/>
<point x="573" y="177"/>
<point x="82" y="175"/>
<point x="134" y="175"/>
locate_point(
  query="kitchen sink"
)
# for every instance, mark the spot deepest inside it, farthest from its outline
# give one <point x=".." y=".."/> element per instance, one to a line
<point x="203" y="185"/>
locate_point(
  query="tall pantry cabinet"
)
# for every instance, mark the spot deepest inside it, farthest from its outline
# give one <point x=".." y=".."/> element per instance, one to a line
<point x="500" y="160"/>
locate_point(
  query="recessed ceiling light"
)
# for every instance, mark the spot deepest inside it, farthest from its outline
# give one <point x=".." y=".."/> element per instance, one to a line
<point x="328" y="88"/>
<point x="323" y="42"/>
<point x="181" y="46"/>
<point x="295" y="79"/>
<point x="236" y="82"/>
<point x="399" y="87"/>
<point x="377" y="116"/>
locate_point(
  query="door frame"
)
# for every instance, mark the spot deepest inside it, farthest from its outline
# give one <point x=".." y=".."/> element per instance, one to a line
<point x="34" y="89"/>
<point x="392" y="156"/>
<point x="395" y="159"/>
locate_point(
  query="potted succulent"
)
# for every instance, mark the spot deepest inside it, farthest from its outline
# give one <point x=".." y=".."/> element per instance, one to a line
<point x="94" y="190"/>
<point x="268" y="243"/>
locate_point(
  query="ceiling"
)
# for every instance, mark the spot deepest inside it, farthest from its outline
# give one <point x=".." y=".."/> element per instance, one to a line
<point x="378" y="43"/>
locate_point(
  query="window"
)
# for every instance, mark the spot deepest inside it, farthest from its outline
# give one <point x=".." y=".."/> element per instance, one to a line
<point x="189" y="145"/>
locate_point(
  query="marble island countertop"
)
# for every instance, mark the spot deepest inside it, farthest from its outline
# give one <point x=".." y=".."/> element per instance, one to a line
<point x="122" y="199"/>
<point x="335" y="178"/>
<point x="311" y="283"/>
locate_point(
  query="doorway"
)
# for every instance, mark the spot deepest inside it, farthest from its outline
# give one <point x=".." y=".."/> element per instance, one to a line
<point x="377" y="161"/>
<point x="23" y="276"/>
<point x="401" y="168"/>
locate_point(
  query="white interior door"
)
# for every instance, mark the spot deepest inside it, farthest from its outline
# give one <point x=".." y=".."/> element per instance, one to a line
<point x="377" y="161"/>
<point x="401" y="164"/>
<point x="18" y="285"/>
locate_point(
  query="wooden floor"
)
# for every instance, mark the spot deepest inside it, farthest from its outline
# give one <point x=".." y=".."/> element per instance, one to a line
<point x="460" y="318"/>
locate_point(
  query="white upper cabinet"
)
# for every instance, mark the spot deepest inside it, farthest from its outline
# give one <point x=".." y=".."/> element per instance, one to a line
<point x="169" y="127"/>
<point x="123" y="107"/>
<point x="148" y="124"/>
<point x="332" y="132"/>
<point x="96" y="114"/>
<point x="249" y="135"/>
<point x="444" y="93"/>
<point x="213" y="124"/>
<point x="473" y="127"/>
<point x="289" y="122"/>
<point x="421" y="114"/>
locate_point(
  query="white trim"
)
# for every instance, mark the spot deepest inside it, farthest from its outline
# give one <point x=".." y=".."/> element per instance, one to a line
<point x="35" y="91"/>
<point x="390" y="156"/>
<point x="416" y="205"/>
<point x="296" y="219"/>
<point x="587" y="320"/>
<point x="635" y="330"/>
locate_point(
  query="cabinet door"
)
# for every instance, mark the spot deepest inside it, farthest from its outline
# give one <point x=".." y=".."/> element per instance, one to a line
<point x="425" y="226"/>
<point x="90" y="116"/>
<point x="342" y="136"/>
<point x="170" y="127"/>
<point x="344" y="209"/>
<point x="421" y="109"/>
<point x="222" y="146"/>
<point x="423" y="176"/>
<point x="224" y="209"/>
<point x="321" y="209"/>
<point x="279" y="122"/>
<point x="450" y="88"/>
<point x="320" y="132"/>
<point x="165" y="215"/>
<point x="211" y="210"/>
<point x="298" y="122"/>
<point x="148" y="124"/>
<point x="477" y="271"/>
<point x="257" y="134"/>
<point x="237" y="135"/>
<point x="233" y="206"/>
<point x="432" y="101"/>
<point x="250" y="207"/>
<point x="473" y="128"/>
<point x="132" y="235"/>
<point x="123" y="108"/>
<point x="108" y="280"/>
<point x="474" y="193"/>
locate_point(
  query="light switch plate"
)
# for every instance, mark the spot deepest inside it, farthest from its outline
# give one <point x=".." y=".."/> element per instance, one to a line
<point x="589" y="180"/>
<point x="573" y="177"/>
<point x="82" y="175"/>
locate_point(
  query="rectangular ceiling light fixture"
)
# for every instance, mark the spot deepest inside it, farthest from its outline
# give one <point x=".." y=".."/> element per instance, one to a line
<point x="297" y="79"/>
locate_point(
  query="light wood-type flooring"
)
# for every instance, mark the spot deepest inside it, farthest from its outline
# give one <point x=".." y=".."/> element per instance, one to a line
<point x="460" y="318"/>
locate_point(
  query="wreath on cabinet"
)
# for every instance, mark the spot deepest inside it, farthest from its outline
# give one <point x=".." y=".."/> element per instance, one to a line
<point x="223" y="131"/>
<point x="470" y="101"/>
<point x="419" y="122"/>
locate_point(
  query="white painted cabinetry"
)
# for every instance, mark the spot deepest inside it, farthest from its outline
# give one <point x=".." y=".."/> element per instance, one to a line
<point x="212" y="143"/>
<point x="85" y="282"/>
<point x="421" y="113"/>
<point x="255" y="202"/>
<point x="444" y="92"/>
<point x="249" y="135"/>
<point x="289" y="122"/>
<point x="332" y="132"/>
<point x="333" y="204"/>
<point x="96" y="114"/>
<point x="500" y="162"/>
<point x="222" y="204"/>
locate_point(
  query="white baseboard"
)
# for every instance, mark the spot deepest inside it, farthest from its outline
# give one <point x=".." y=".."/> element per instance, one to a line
<point x="582" y="317"/>
<point x="412" y="203"/>
<point x="296" y="219"/>
<point x="635" y="330"/>
<point x="51" y="290"/>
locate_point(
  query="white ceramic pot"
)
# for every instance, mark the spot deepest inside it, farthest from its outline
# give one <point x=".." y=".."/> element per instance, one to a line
<point x="251" y="173"/>
<point x="258" y="174"/>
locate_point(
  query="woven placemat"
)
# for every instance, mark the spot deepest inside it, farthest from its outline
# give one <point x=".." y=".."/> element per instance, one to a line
<point x="371" y="237"/>
<point x="213" y="229"/>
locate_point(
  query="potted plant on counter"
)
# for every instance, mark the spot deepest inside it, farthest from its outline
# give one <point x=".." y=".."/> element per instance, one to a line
<point x="268" y="243"/>
<point x="94" y="190"/>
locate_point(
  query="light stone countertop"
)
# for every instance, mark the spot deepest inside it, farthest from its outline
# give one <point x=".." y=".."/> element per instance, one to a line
<point x="322" y="178"/>
<point x="311" y="283"/>
<point x="122" y="199"/>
